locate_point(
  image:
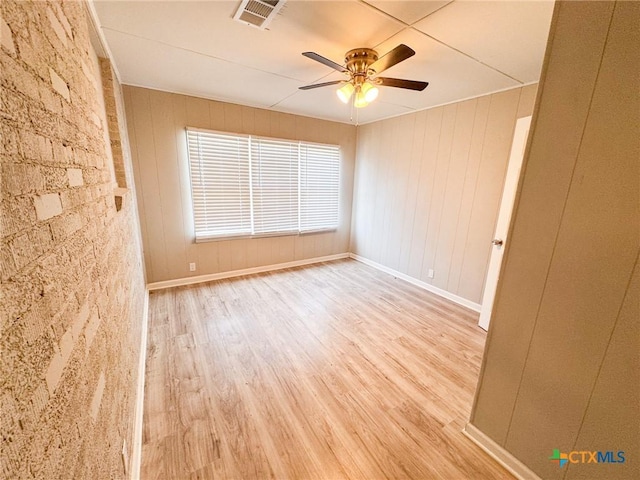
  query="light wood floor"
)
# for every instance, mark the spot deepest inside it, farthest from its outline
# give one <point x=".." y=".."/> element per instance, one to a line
<point x="323" y="372"/>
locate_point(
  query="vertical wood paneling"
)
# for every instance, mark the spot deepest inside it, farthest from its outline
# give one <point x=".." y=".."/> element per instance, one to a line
<point x="135" y="165"/>
<point x="561" y="362"/>
<point x="401" y="160"/>
<point x="598" y="234"/>
<point x="180" y="118"/>
<point x="468" y="192"/>
<point x="425" y="189"/>
<point x="440" y="176"/>
<point x="386" y="190"/>
<point x="157" y="123"/>
<point x="527" y="99"/>
<point x="428" y="186"/>
<point x="452" y="199"/>
<point x="370" y="140"/>
<point x="347" y="177"/>
<point x="555" y="140"/>
<point x="166" y="154"/>
<point x="493" y="166"/>
<point x="148" y="191"/>
<point x="612" y="401"/>
<point x="216" y="116"/>
<point x="199" y="116"/>
<point x="409" y="207"/>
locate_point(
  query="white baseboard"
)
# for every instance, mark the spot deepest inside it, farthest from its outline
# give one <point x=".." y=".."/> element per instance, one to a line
<point x="136" y="456"/>
<point x="245" y="271"/>
<point x="419" y="283"/>
<point x="499" y="454"/>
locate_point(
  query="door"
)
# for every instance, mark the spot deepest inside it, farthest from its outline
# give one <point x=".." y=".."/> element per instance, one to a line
<point x="504" y="217"/>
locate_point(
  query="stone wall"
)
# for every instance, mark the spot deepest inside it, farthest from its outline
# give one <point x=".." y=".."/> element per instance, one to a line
<point x="72" y="294"/>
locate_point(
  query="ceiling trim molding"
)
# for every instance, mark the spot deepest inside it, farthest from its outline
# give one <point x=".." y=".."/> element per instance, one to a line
<point x="453" y="101"/>
<point x="332" y="120"/>
<point x="95" y="24"/>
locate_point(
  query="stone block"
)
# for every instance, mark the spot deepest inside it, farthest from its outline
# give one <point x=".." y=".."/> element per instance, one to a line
<point x="79" y="322"/>
<point x="58" y="84"/>
<point x="91" y="329"/>
<point x="17" y="79"/>
<point x="30" y="245"/>
<point x="16" y="215"/>
<point x="55" y="178"/>
<point x="35" y="147"/>
<point x="50" y="100"/>
<point x="38" y="400"/>
<point x="47" y="206"/>
<point x="97" y="397"/>
<point x="63" y="20"/>
<point x="57" y="26"/>
<point x="21" y="178"/>
<point x="7" y="264"/>
<point x="10" y="141"/>
<point x="66" y="345"/>
<point x="6" y="38"/>
<point x="54" y="372"/>
<point x="35" y="321"/>
<point x="75" y="177"/>
<point x="65" y="225"/>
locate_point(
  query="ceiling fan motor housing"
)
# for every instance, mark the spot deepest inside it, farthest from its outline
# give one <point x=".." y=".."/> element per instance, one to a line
<point x="357" y="62"/>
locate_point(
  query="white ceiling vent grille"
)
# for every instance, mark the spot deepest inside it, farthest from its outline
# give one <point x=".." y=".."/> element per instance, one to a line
<point x="258" y="13"/>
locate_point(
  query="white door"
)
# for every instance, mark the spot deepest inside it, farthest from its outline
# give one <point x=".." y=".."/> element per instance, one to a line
<point x="504" y="217"/>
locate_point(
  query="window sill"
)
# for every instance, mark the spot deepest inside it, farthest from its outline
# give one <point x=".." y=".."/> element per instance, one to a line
<point x="263" y="235"/>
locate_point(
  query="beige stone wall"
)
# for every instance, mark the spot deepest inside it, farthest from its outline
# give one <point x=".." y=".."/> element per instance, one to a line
<point x="72" y="286"/>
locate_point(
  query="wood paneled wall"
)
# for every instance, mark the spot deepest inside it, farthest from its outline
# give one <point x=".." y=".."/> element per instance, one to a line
<point x="428" y="188"/>
<point x="157" y="122"/>
<point x="562" y="357"/>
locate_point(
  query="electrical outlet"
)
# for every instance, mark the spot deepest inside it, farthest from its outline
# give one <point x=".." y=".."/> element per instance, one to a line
<point x="192" y="267"/>
<point x="430" y="273"/>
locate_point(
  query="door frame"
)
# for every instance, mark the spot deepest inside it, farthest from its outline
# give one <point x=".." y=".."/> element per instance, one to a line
<point x="512" y="177"/>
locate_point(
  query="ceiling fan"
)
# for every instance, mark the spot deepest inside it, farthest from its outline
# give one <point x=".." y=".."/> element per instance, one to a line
<point x="363" y="67"/>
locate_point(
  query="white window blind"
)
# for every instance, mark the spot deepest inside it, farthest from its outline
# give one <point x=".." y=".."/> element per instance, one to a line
<point x="220" y="184"/>
<point x="319" y="186"/>
<point x="244" y="185"/>
<point x="274" y="177"/>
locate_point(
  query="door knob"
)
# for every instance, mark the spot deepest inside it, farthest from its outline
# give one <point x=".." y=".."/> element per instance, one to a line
<point x="497" y="242"/>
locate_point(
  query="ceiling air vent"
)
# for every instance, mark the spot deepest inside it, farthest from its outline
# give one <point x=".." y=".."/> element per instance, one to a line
<point x="258" y="13"/>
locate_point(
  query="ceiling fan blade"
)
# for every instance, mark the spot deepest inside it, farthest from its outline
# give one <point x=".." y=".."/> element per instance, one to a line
<point x="397" y="55"/>
<point x="318" y="85"/>
<point x="401" y="83"/>
<point x="325" y="61"/>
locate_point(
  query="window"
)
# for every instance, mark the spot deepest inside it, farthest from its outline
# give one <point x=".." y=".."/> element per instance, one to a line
<point x="250" y="186"/>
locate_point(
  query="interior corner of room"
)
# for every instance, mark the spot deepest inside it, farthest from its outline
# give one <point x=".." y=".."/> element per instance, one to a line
<point x="438" y="281"/>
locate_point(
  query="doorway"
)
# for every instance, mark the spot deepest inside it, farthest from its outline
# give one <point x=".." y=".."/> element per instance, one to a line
<point x="504" y="218"/>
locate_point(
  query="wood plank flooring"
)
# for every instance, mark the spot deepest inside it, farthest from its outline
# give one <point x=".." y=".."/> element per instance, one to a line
<point x="329" y="371"/>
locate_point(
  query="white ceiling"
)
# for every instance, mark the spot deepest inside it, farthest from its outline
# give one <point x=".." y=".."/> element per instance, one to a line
<point x="463" y="49"/>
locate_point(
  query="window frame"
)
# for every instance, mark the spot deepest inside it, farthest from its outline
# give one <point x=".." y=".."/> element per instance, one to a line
<point x="202" y="238"/>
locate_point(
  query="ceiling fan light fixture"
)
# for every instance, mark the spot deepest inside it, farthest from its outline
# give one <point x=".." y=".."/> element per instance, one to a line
<point x="344" y="93"/>
<point x="369" y="91"/>
<point x="360" y="101"/>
